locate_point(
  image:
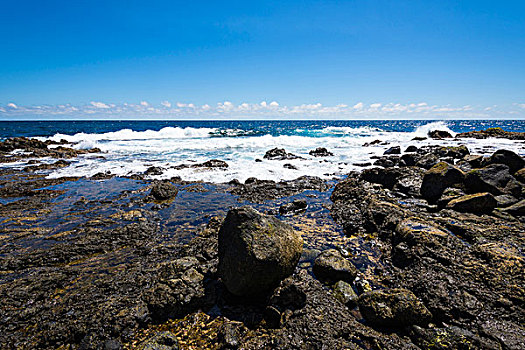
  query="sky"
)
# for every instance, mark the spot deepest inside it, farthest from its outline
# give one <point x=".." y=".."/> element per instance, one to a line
<point x="407" y="59"/>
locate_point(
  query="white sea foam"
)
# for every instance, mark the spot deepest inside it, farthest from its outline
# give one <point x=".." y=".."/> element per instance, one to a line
<point x="129" y="152"/>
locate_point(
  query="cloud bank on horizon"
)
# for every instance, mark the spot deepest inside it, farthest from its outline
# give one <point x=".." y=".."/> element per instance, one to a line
<point x="263" y="110"/>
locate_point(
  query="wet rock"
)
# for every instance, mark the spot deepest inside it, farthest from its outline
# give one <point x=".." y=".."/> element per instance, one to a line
<point x="230" y="335"/>
<point x="439" y="134"/>
<point x="448" y="195"/>
<point x="505" y="200"/>
<point x="474" y="203"/>
<point x="386" y="162"/>
<point x="493" y="178"/>
<point x="161" y="341"/>
<point x="517" y="209"/>
<point x="290" y="166"/>
<point x="393" y="308"/>
<point x="409" y="159"/>
<point x="330" y="266"/>
<point x="279" y="154"/>
<point x="320" y="152"/>
<point x="475" y="161"/>
<point x="419" y="138"/>
<point x="448" y="338"/>
<point x="164" y="190"/>
<point x="508" y="158"/>
<point x="411" y="148"/>
<point x="520" y="175"/>
<point x="393" y="150"/>
<point x="427" y="161"/>
<point x="372" y="143"/>
<point x="344" y="292"/>
<point x="212" y="163"/>
<point x="288" y="296"/>
<point x="256" y="251"/>
<point x="493" y="132"/>
<point x="154" y="170"/>
<point x="102" y="176"/>
<point x="438" y="178"/>
<point x="294" y="207"/>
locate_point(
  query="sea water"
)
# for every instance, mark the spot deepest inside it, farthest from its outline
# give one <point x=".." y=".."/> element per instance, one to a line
<point x="131" y="147"/>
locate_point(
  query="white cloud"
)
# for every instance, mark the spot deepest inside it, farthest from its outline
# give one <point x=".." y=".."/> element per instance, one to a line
<point x="359" y="105"/>
<point x="375" y="105"/>
<point x="99" y="105"/>
<point x="274" y="104"/>
<point x="522" y="105"/>
<point x="166" y="104"/>
<point x="12" y="105"/>
<point x="144" y="103"/>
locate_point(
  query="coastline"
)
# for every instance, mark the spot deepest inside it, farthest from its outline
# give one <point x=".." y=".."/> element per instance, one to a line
<point x="84" y="269"/>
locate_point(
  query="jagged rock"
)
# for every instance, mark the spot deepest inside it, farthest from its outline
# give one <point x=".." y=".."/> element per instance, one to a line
<point x="409" y="159"/>
<point x="320" y="152"/>
<point x="517" y="209"/>
<point x="493" y="178"/>
<point x="212" y="163"/>
<point x="448" y="195"/>
<point x="411" y="148"/>
<point x="372" y="143"/>
<point x="427" y="161"/>
<point x="331" y="266"/>
<point x="393" y="150"/>
<point x="438" y="178"/>
<point x="455" y="152"/>
<point x="508" y="158"/>
<point x="393" y="308"/>
<point x="256" y="251"/>
<point x="161" y="341"/>
<point x="475" y="161"/>
<point x="439" y="134"/>
<point x="164" y="190"/>
<point x="290" y="166"/>
<point x="294" y="207"/>
<point x="344" y="292"/>
<point x="505" y="200"/>
<point x="474" y="203"/>
<point x="154" y="170"/>
<point x="279" y="154"/>
<point x="520" y="175"/>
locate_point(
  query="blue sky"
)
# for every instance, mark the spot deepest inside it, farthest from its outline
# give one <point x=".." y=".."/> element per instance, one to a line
<point x="207" y="59"/>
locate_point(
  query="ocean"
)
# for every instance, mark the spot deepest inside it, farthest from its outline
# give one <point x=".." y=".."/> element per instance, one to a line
<point x="130" y="147"/>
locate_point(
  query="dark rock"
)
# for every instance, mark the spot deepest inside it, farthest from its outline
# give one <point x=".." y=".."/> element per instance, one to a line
<point x="279" y="154"/>
<point x="320" y="152"/>
<point x="419" y="138"/>
<point x="411" y="148"/>
<point x="520" y="175"/>
<point x="508" y="158"/>
<point x="161" y="341"/>
<point x="212" y="163"/>
<point x="493" y="178"/>
<point x="454" y="152"/>
<point x="439" y="134"/>
<point x="257" y="160"/>
<point x="474" y="203"/>
<point x="112" y="344"/>
<point x="372" y="143"/>
<point x="493" y="132"/>
<point x="505" y="200"/>
<point x="438" y="178"/>
<point x="288" y="296"/>
<point x="256" y="251"/>
<point x="448" y="195"/>
<point x="344" y="292"/>
<point x="330" y="266"/>
<point x="517" y="209"/>
<point x="393" y="308"/>
<point x="290" y="166"/>
<point x="365" y="164"/>
<point x="393" y="150"/>
<point x="475" y="161"/>
<point x="386" y="162"/>
<point x="154" y="170"/>
<point x="164" y="190"/>
<point x="427" y="161"/>
<point x="294" y="207"/>
<point x="409" y="159"/>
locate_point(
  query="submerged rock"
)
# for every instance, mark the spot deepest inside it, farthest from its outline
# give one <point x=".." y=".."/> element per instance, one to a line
<point x="393" y="308"/>
<point x="331" y="266"/>
<point x="295" y="207"/>
<point x="256" y="251"/>
<point x="164" y="190"/>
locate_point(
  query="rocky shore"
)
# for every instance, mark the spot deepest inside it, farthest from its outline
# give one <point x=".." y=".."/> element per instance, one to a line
<point x="422" y="250"/>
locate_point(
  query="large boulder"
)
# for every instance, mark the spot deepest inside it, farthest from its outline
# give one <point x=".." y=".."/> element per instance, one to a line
<point x="393" y="150"/>
<point x="320" y="152"/>
<point x="438" y="178"/>
<point x="509" y="158"/>
<point x="331" y="266"/>
<point x="393" y="308"/>
<point x="256" y="251"/>
<point x="493" y="178"/>
<point x="439" y="134"/>
<point x="474" y="203"/>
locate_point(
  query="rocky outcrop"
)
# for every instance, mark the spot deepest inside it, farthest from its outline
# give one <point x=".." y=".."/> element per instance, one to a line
<point x="164" y="191"/>
<point x="493" y="132"/>
<point x="295" y="207"/>
<point x="256" y="252"/>
<point x="279" y="154"/>
<point x="439" y="134"/>
<point x="393" y="150"/>
<point x="474" y="203"/>
<point x="320" y="152"/>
